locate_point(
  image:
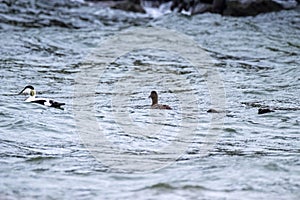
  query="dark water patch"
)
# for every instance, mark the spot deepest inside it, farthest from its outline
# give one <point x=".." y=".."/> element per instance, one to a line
<point x="274" y="167"/>
<point x="166" y="186"/>
<point x="230" y="130"/>
<point x="40" y="159"/>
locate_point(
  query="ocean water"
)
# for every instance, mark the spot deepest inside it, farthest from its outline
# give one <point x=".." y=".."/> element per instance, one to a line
<point x="108" y="144"/>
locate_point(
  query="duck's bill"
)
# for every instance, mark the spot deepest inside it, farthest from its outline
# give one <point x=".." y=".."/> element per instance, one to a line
<point x="21" y="92"/>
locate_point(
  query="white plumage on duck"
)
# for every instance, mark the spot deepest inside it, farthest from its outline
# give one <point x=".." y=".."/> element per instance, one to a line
<point x="29" y="90"/>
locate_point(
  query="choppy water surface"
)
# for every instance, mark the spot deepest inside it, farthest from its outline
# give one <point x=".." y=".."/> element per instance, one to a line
<point x="254" y="156"/>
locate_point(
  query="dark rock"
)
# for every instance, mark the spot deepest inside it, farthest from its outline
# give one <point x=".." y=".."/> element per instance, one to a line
<point x="201" y="8"/>
<point x="250" y="7"/>
<point x="181" y="5"/>
<point x="218" y="6"/>
<point x="129" y="5"/>
<point x="225" y="7"/>
<point x="264" y="110"/>
<point x="155" y="3"/>
<point x="232" y="7"/>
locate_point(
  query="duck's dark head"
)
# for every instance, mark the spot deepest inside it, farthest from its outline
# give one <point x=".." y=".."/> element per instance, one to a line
<point x="154" y="97"/>
<point x="28" y="90"/>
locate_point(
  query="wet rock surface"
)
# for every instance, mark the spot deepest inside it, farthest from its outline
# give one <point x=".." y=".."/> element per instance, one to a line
<point x="233" y="7"/>
<point x="130" y="5"/>
<point x="251" y="7"/>
<point x="193" y="7"/>
<point x="125" y="5"/>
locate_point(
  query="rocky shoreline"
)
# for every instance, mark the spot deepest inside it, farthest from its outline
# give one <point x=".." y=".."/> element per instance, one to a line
<point x="193" y="7"/>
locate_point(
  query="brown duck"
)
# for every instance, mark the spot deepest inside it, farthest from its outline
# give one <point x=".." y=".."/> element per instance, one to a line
<point x="155" y="104"/>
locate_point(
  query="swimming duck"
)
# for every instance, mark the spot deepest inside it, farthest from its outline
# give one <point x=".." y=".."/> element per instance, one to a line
<point x="264" y="110"/>
<point x="155" y="104"/>
<point x="32" y="98"/>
